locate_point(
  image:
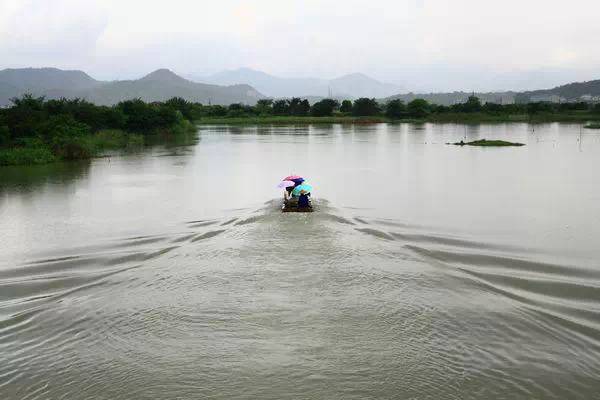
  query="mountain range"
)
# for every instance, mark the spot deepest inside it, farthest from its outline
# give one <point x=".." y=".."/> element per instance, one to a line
<point x="247" y="86"/>
<point x="348" y="86"/>
<point x="159" y="85"/>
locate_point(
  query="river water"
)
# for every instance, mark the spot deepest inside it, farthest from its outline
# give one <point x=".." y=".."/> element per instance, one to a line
<point x="427" y="271"/>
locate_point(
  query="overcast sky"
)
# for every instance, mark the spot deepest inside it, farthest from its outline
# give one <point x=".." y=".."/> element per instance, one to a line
<point x="429" y="44"/>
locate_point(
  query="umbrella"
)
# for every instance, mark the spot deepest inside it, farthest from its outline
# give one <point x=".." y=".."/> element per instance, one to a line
<point x="298" y="181"/>
<point x="305" y="187"/>
<point x="292" y="177"/>
<point x="286" y="184"/>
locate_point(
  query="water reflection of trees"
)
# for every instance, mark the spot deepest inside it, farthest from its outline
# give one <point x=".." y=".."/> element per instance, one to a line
<point x="25" y="179"/>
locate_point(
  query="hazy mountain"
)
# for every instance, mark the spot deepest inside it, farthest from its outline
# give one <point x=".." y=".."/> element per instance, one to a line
<point x="156" y="86"/>
<point x="571" y="91"/>
<point x="46" y="79"/>
<point x="450" y="98"/>
<point x="360" y="85"/>
<point x="163" y="84"/>
<point x="348" y="86"/>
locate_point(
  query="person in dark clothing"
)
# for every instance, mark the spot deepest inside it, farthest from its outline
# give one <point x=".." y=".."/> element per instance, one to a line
<point x="304" y="200"/>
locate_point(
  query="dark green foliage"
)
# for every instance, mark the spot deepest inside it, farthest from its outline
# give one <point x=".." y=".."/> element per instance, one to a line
<point x="281" y="107"/>
<point x="26" y="155"/>
<point x="592" y="126"/>
<point x="299" y="107"/>
<point x="346" y="106"/>
<point x="217" y="111"/>
<point x="324" y="108"/>
<point x="395" y="109"/>
<point x="473" y="104"/>
<point x="4" y="136"/>
<point x="487" y="143"/>
<point x="418" y="108"/>
<point x="365" y="107"/>
<point x="264" y="107"/>
<point x="35" y="131"/>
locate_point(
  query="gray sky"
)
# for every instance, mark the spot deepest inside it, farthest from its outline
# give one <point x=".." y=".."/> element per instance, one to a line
<point x="421" y="44"/>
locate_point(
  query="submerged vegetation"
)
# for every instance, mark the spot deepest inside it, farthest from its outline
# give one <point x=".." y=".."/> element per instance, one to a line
<point x="37" y="131"/>
<point x="488" y="143"/>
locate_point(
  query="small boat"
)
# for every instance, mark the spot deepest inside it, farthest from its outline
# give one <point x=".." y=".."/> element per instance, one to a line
<point x="292" y="206"/>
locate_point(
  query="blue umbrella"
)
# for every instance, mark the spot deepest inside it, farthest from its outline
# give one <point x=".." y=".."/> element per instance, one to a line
<point x="305" y="187"/>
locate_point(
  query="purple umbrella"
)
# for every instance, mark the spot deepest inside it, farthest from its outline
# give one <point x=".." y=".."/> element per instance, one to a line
<point x="285" y="184"/>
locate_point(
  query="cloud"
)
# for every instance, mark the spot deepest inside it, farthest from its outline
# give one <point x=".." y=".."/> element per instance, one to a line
<point x="472" y="39"/>
<point x="38" y="32"/>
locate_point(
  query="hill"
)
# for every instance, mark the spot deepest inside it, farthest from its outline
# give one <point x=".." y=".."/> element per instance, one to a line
<point x="157" y="86"/>
<point x="163" y="84"/>
<point x="347" y="86"/>
<point x="570" y="92"/>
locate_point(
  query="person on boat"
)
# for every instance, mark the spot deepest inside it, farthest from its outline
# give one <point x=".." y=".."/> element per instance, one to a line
<point x="304" y="200"/>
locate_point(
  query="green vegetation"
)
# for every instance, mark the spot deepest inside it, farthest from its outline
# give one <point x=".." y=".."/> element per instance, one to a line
<point x="36" y="131"/>
<point x="592" y="126"/>
<point x="488" y="143"/>
<point x="297" y="110"/>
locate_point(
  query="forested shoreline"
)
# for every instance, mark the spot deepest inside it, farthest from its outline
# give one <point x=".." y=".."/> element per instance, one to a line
<point x="36" y="131"/>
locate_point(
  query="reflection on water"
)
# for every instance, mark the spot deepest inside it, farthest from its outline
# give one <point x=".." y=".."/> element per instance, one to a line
<point x="29" y="179"/>
<point x="427" y="271"/>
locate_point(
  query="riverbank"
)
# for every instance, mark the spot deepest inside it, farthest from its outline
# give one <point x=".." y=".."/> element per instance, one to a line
<point x="468" y="118"/>
<point x="96" y="145"/>
<point x="36" y="131"/>
<point x="276" y="120"/>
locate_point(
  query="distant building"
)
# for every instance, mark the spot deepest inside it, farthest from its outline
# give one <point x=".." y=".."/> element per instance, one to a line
<point x="588" y="98"/>
<point x="547" y="98"/>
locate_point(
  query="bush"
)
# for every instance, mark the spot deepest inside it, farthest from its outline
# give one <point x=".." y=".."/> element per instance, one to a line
<point x="395" y="109"/>
<point x="26" y="156"/>
<point x="324" y="108"/>
<point x="418" y="108"/>
<point x="346" y="106"/>
<point x="365" y="107"/>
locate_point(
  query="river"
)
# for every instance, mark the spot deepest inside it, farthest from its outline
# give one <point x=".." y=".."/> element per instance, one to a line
<point x="427" y="271"/>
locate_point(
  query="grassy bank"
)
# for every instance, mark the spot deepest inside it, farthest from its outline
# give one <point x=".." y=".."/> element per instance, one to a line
<point x="271" y="119"/>
<point x="39" y="152"/>
<point x="467" y="118"/>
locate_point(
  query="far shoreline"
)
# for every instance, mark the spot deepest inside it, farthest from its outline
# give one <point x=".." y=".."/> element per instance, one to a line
<point x="472" y="118"/>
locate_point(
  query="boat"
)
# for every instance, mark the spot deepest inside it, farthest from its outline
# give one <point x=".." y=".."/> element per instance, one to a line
<point x="292" y="206"/>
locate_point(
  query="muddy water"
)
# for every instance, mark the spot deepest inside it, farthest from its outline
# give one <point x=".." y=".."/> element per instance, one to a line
<point x="427" y="271"/>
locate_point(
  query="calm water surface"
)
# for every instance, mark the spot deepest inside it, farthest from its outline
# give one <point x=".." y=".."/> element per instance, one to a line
<point x="427" y="271"/>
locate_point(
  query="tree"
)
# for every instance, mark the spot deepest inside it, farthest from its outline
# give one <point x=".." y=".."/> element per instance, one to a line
<point x="182" y="105"/>
<point x="395" y="109"/>
<point x="473" y="104"/>
<point x="264" y="107"/>
<point x="346" y="106"/>
<point x="418" y="108"/>
<point x="281" y="107"/>
<point x="365" y="107"/>
<point x="236" y="110"/>
<point x="324" y="108"/>
<point x="299" y="107"/>
<point x="4" y="136"/>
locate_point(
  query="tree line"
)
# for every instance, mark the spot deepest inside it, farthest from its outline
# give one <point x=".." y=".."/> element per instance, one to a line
<point x="36" y="130"/>
<point x="366" y="107"/>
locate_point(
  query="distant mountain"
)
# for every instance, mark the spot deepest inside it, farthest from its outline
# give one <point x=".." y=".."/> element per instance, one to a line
<point x="47" y="79"/>
<point x="348" y="86"/>
<point x="449" y="98"/>
<point x="157" y="86"/>
<point x="570" y="92"/>
<point x="163" y="84"/>
<point x="360" y="85"/>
